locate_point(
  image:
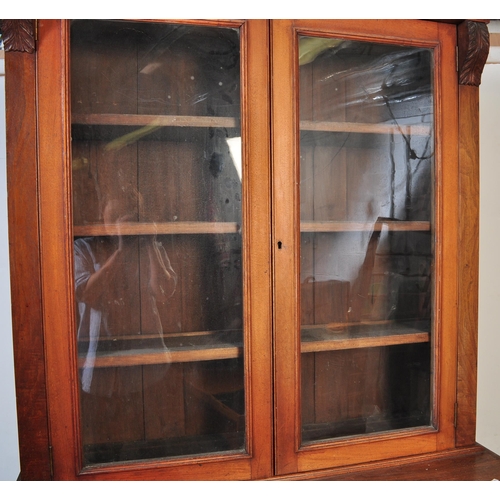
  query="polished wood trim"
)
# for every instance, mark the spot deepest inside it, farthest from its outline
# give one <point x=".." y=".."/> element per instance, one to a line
<point x="56" y="253"/>
<point x="468" y="261"/>
<point x="447" y="221"/>
<point x="285" y="246"/>
<point x="373" y="30"/>
<point x="18" y="35"/>
<point x="222" y="467"/>
<point x="258" y="276"/>
<point x="369" y="448"/>
<point x="24" y="245"/>
<point x="475" y="463"/>
<point x="473" y="48"/>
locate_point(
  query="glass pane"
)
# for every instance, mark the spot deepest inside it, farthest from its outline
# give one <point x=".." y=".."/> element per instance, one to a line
<point x="366" y="204"/>
<point x="157" y="191"/>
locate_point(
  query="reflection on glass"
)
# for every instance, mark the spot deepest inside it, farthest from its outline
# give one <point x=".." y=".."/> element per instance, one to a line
<point x="158" y="248"/>
<point x="366" y="201"/>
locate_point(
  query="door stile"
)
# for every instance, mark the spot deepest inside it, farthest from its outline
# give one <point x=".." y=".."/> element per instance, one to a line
<point x="258" y="317"/>
<point x="447" y="235"/>
<point x="285" y="245"/>
<point x="56" y="257"/>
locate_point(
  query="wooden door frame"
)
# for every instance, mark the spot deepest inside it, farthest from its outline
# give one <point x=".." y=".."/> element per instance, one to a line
<point x="46" y="253"/>
<point x="290" y="457"/>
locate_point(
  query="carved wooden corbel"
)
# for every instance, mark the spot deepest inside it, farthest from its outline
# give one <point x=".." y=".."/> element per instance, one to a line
<point x="18" y="35"/>
<point x="473" y="48"/>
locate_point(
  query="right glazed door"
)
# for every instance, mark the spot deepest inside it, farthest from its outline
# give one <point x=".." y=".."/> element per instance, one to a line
<point x="365" y="232"/>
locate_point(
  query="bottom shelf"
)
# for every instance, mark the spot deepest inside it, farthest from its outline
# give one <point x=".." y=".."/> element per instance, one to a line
<point x="340" y="336"/>
<point x="134" y="350"/>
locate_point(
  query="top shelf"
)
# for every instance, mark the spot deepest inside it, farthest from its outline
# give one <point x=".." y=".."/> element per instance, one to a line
<point x="155" y="120"/>
<point x="230" y="122"/>
<point x="355" y="226"/>
<point x="364" y="128"/>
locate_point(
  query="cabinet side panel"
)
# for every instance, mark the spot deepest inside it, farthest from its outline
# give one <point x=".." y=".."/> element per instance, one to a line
<point x="24" y="262"/>
<point x="468" y="264"/>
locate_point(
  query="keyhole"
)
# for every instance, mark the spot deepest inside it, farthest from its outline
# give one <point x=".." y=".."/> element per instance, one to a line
<point x="279" y="245"/>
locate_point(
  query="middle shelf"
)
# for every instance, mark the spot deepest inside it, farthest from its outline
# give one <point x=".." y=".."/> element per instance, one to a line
<point x="146" y="349"/>
<point x="150" y="120"/>
<point x="201" y="227"/>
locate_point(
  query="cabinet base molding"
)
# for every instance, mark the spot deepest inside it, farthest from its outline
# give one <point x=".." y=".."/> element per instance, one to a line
<point x="473" y="463"/>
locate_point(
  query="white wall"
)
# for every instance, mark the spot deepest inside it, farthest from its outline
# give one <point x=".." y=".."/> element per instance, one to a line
<point x="488" y="409"/>
<point x="9" y="454"/>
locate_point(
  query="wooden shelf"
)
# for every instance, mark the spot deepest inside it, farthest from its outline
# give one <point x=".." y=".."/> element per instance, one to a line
<point x="230" y="122"/>
<point x="134" y="357"/>
<point x="364" y="128"/>
<point x="136" y="350"/>
<point x="339" y="336"/>
<point x="345" y="226"/>
<point x="155" y="120"/>
<point x="150" y="228"/>
<point x="197" y="227"/>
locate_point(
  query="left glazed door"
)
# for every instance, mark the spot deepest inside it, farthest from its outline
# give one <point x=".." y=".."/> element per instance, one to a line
<point x="150" y="193"/>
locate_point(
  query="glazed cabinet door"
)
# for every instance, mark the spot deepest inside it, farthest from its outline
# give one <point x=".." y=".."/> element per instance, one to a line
<point x="365" y="233"/>
<point x="248" y="244"/>
<point x="154" y="179"/>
